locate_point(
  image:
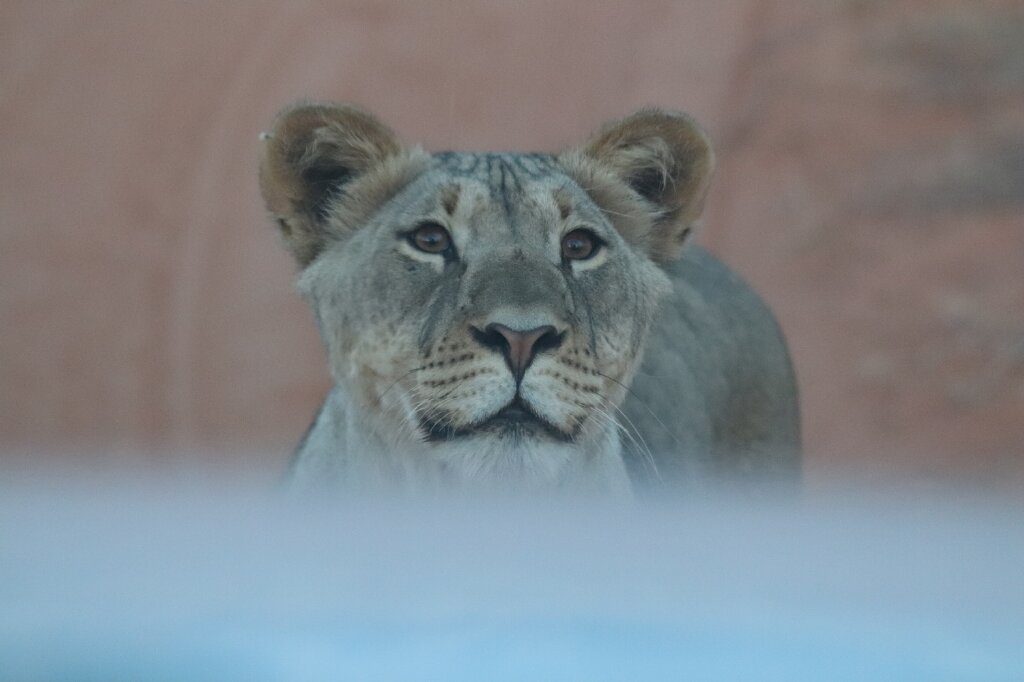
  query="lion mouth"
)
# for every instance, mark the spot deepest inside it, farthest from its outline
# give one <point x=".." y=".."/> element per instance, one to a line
<point x="516" y="420"/>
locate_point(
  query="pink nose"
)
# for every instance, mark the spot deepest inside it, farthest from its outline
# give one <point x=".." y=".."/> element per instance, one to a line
<point x="518" y="347"/>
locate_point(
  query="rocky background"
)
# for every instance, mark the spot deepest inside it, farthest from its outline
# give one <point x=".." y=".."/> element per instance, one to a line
<point x="871" y="185"/>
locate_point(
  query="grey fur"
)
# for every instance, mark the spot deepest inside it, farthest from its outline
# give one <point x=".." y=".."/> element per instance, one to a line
<point x="669" y="368"/>
<point x="715" y="396"/>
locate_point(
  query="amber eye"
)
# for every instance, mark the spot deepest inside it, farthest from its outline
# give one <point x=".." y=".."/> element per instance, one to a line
<point x="579" y="245"/>
<point x="431" y="238"/>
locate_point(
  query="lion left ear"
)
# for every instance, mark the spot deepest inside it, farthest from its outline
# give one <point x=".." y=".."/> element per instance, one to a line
<point x="662" y="162"/>
<point x="325" y="168"/>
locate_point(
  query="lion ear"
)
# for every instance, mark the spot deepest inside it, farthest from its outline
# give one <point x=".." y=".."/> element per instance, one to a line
<point x="665" y="162"/>
<point x="323" y="168"/>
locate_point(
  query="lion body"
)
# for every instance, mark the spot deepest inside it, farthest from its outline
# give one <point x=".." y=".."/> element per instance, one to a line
<point x="647" y="362"/>
<point x="715" y="396"/>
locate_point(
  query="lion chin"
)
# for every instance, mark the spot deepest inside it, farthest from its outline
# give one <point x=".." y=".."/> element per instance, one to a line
<point x="516" y="421"/>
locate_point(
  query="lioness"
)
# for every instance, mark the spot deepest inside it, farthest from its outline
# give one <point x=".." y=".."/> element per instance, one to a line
<point x="524" y="321"/>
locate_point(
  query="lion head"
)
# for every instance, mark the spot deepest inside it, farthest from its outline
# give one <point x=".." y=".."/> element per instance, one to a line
<point x="486" y="311"/>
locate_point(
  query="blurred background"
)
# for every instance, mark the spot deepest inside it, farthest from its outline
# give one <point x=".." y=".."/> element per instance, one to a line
<point x="870" y="185"/>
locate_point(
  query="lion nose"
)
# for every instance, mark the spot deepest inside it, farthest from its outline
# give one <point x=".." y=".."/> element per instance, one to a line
<point x="518" y="347"/>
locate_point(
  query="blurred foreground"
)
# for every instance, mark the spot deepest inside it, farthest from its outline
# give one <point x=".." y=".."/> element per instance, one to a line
<point x="176" y="579"/>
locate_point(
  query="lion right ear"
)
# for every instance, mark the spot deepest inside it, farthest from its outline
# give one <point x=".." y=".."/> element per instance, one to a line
<point x="656" y="165"/>
<point x="325" y="168"/>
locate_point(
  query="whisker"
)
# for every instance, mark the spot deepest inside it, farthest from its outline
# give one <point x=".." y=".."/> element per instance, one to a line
<point x="642" y="403"/>
<point x="439" y="416"/>
<point x="647" y="456"/>
<point x="405" y="423"/>
<point x="414" y="369"/>
<point x="633" y="433"/>
<point x="419" y="401"/>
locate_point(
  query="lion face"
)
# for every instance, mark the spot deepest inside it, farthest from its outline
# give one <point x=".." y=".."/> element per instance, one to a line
<point x="491" y="307"/>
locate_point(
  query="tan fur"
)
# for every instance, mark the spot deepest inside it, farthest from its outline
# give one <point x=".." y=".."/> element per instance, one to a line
<point x="310" y="137"/>
<point x="673" y="152"/>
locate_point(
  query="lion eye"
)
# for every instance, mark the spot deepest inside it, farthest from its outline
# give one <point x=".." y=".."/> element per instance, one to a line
<point x="431" y="238"/>
<point x="579" y="245"/>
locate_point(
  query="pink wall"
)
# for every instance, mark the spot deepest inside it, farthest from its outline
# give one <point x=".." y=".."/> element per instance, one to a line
<point x="871" y="183"/>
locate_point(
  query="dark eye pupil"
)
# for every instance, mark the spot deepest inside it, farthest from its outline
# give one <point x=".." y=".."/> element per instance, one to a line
<point x="577" y="245"/>
<point x="431" y="238"/>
